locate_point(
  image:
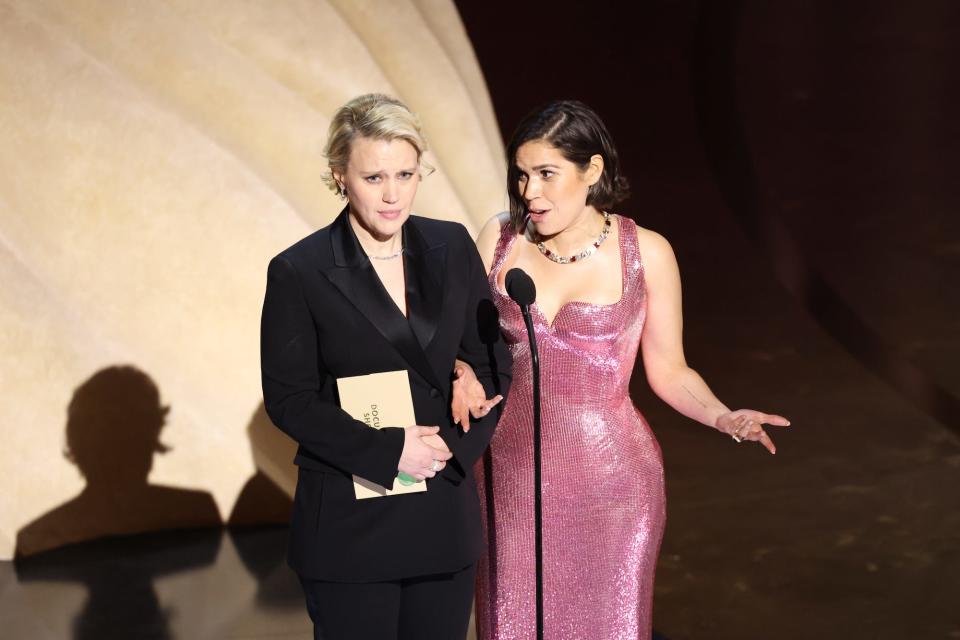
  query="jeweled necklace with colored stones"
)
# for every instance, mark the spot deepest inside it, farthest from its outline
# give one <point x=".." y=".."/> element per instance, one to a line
<point x="586" y="253"/>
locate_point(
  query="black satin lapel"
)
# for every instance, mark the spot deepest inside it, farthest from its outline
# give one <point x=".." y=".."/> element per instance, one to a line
<point x="343" y="242"/>
<point x="425" y="268"/>
<point x="356" y="279"/>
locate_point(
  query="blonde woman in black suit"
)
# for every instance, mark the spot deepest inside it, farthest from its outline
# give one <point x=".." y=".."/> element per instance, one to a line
<point x="381" y="290"/>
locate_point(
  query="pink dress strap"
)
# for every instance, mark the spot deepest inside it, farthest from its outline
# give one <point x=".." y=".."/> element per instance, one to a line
<point x="633" y="274"/>
<point x="502" y="250"/>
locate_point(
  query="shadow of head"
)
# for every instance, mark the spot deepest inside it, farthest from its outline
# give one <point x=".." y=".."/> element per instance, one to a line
<point x="113" y="426"/>
<point x="113" y="429"/>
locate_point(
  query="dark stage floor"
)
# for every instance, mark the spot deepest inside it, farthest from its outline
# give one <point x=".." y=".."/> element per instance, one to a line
<point x="204" y="584"/>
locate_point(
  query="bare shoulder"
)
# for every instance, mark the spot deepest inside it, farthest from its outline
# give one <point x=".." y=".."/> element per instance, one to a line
<point x="489" y="237"/>
<point x="653" y="246"/>
<point x="660" y="270"/>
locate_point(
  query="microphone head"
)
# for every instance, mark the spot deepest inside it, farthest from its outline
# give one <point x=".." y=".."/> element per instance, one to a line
<point x="520" y="287"/>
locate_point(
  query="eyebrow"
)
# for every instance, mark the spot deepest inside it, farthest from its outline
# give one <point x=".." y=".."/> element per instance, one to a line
<point x="375" y="172"/>
<point x="541" y="166"/>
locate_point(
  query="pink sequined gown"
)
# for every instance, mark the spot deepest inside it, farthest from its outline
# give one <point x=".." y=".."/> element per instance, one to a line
<point x="603" y="491"/>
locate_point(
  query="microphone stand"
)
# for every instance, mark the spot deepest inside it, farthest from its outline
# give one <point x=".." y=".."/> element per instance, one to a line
<point x="537" y="498"/>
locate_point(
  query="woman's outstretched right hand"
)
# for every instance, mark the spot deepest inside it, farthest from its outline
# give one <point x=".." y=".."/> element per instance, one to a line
<point x="747" y="424"/>
<point x="419" y="459"/>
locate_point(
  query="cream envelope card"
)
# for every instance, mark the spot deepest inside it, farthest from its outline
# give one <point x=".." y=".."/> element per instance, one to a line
<point x="379" y="400"/>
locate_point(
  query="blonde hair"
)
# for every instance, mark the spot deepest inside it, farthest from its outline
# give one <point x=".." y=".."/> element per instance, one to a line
<point x="376" y="116"/>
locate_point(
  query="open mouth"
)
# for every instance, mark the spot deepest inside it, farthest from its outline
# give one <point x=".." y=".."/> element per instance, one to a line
<point x="537" y="214"/>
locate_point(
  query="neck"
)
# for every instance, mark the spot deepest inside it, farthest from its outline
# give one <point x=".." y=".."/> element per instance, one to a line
<point x="581" y="232"/>
<point x="375" y="245"/>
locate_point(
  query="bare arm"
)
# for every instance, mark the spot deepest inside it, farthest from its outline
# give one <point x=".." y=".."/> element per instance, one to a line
<point x="469" y="398"/>
<point x="488" y="238"/>
<point x="482" y="349"/>
<point x="668" y="373"/>
<point x="662" y="347"/>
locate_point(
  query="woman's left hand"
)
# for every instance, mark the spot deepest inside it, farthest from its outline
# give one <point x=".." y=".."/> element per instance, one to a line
<point x="747" y="424"/>
<point x="469" y="397"/>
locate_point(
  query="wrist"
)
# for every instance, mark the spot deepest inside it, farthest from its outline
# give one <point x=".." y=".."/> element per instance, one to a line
<point x="716" y="416"/>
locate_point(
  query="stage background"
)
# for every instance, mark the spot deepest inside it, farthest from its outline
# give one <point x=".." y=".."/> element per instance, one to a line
<point x="155" y="156"/>
<point x="800" y="156"/>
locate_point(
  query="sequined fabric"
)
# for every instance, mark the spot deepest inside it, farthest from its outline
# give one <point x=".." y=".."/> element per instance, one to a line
<point x="603" y="491"/>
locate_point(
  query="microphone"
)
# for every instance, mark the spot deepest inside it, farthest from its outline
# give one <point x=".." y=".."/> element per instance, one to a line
<point x="521" y="290"/>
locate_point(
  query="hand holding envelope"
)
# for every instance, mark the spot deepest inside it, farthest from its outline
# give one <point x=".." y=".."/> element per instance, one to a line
<point x="421" y="448"/>
<point x="384" y="400"/>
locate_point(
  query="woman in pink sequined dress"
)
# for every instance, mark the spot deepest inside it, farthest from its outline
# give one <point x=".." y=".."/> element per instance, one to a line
<point x="606" y="289"/>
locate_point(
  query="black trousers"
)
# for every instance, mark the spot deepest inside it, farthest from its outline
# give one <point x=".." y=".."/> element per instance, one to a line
<point x="435" y="607"/>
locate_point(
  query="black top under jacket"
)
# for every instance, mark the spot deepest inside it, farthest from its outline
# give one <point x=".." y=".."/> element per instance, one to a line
<point x="326" y="315"/>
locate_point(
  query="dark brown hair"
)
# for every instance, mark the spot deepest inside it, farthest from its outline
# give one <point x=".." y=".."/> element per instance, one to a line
<point x="578" y="133"/>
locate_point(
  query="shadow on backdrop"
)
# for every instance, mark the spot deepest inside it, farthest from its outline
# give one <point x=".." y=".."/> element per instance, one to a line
<point x="266" y="500"/>
<point x="113" y="431"/>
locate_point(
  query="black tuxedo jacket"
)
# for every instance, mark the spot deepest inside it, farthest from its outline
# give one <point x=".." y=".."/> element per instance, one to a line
<point x="326" y="315"/>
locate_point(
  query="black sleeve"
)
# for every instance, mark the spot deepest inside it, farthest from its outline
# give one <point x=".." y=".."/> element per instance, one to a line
<point x="483" y="348"/>
<point x="293" y="376"/>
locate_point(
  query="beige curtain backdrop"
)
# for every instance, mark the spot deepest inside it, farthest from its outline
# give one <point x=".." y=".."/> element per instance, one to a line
<point x="156" y="154"/>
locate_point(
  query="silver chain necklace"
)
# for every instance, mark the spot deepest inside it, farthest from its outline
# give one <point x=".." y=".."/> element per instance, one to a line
<point x="586" y="253"/>
<point x="395" y="254"/>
